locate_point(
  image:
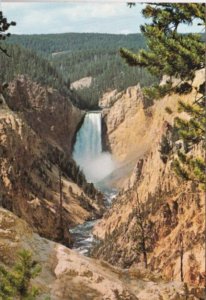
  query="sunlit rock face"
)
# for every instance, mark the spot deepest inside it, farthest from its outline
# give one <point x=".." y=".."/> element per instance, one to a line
<point x="66" y="274"/>
<point x="88" y="153"/>
<point x="174" y="207"/>
<point x="37" y="126"/>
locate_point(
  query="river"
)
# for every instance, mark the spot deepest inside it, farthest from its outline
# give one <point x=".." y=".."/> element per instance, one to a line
<point x="84" y="240"/>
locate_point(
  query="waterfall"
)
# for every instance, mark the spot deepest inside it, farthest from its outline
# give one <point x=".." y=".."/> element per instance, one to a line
<point x="88" y="149"/>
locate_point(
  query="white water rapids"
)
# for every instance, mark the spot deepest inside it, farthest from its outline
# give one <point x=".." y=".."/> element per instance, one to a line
<point x="83" y="237"/>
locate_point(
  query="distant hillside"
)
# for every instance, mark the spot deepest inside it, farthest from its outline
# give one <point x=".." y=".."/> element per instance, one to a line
<point x="78" y="55"/>
<point x="27" y="62"/>
<point x="54" y="43"/>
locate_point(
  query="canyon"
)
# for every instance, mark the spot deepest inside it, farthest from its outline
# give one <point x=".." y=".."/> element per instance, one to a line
<point x="38" y="131"/>
<point x="102" y="152"/>
<point x="37" y="128"/>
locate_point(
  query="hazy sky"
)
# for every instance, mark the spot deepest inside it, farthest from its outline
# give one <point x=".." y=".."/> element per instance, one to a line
<point x="75" y="17"/>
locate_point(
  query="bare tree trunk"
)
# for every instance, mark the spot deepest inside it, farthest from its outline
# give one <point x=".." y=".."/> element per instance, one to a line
<point x="61" y="229"/>
<point x="181" y="257"/>
<point x="143" y="242"/>
<point x="142" y="224"/>
<point x="145" y="258"/>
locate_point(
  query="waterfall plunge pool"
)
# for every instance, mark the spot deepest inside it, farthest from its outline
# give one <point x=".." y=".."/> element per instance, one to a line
<point x="96" y="165"/>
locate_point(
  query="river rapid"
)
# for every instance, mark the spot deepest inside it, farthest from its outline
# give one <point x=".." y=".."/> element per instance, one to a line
<point x="84" y="240"/>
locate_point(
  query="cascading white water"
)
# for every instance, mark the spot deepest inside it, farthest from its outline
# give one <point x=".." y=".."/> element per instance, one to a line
<point x="88" y="154"/>
<point x="88" y="142"/>
<point x="96" y="166"/>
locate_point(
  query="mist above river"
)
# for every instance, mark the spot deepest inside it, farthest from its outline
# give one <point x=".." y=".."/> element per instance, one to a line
<point x="97" y="168"/>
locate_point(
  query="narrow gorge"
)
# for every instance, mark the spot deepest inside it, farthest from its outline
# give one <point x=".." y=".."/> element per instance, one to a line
<point x="134" y="133"/>
<point x="109" y="187"/>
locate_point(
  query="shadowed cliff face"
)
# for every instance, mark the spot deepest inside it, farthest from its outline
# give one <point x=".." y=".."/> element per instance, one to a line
<point x="67" y="275"/>
<point x="35" y="131"/>
<point x="173" y="208"/>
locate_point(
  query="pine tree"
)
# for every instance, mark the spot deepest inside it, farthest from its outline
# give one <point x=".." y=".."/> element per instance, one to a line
<point x="192" y="132"/>
<point x="165" y="148"/>
<point x="177" y="55"/>
<point x="61" y="165"/>
<point x="16" y="284"/>
<point x="169" y="52"/>
<point x="60" y="210"/>
<point x="4" y="26"/>
<point x="144" y="240"/>
<point x="181" y="252"/>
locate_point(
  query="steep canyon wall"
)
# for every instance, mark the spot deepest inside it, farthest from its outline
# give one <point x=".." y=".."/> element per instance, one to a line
<point x="37" y="127"/>
<point x="173" y="208"/>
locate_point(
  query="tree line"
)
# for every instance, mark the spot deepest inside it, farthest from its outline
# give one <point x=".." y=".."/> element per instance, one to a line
<point x="71" y="56"/>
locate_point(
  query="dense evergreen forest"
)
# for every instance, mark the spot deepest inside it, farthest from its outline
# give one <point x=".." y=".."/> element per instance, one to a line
<point x="59" y="59"/>
<point x="23" y="61"/>
<point x="107" y="69"/>
<point x="71" y="42"/>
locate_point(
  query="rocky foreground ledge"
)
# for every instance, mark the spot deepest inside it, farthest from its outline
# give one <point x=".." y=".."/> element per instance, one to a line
<point x="68" y="275"/>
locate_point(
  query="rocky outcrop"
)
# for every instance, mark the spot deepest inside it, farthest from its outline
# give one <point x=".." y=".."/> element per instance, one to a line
<point x="50" y="114"/>
<point x="67" y="275"/>
<point x="37" y="126"/>
<point x="82" y="83"/>
<point x="121" y="111"/>
<point x="173" y="209"/>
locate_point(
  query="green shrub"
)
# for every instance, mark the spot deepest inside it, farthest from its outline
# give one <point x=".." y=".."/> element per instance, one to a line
<point x="16" y="283"/>
<point x="165" y="148"/>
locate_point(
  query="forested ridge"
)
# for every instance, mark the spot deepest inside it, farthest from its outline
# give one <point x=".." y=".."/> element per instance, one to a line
<point x="59" y="59"/>
<point x="27" y="62"/>
<point x="106" y="68"/>
<point x="52" y="43"/>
